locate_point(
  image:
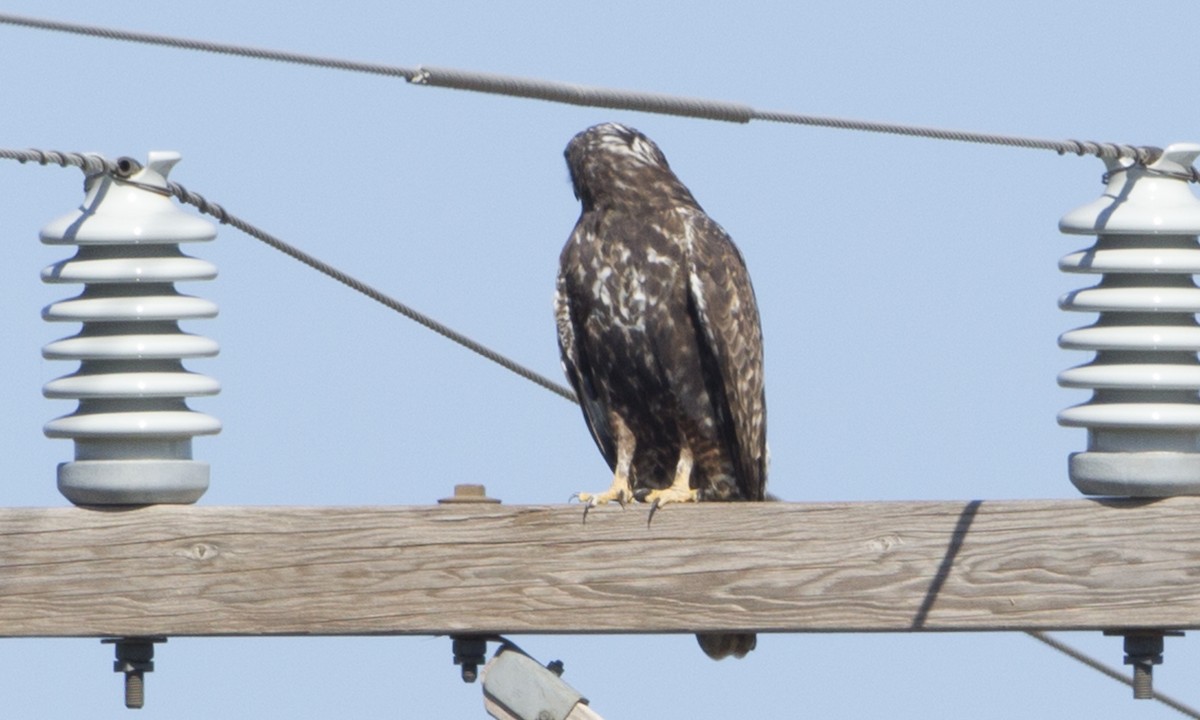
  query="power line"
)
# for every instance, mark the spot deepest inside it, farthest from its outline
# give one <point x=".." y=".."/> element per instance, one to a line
<point x="572" y="94"/>
<point x="90" y="163"/>
<point x="586" y="95"/>
<point x="218" y="212"/>
<point x="204" y="206"/>
<point x="1142" y="154"/>
<point x="204" y="46"/>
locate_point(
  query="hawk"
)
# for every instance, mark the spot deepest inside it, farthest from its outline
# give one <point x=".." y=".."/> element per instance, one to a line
<point x="659" y="334"/>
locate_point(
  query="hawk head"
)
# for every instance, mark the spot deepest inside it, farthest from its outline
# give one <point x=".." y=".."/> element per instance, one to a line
<point x="616" y="162"/>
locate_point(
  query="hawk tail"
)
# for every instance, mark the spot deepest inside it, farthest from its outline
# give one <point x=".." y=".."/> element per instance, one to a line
<point x="719" y="646"/>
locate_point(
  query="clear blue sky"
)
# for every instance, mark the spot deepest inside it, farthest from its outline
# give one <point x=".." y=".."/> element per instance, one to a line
<point x="907" y="287"/>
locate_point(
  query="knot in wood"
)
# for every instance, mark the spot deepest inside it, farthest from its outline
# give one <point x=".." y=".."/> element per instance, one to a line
<point x="884" y="543"/>
<point x="202" y="551"/>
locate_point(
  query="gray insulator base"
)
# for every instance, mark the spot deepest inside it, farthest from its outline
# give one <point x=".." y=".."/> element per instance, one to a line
<point x="133" y="482"/>
<point x="1136" y="474"/>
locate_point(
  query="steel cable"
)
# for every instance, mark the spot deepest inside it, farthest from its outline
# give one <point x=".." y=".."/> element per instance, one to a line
<point x="213" y="209"/>
<point x="572" y="94"/>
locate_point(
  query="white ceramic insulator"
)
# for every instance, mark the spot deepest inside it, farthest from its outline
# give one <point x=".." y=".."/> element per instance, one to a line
<point x="1143" y="419"/>
<point x="132" y="429"/>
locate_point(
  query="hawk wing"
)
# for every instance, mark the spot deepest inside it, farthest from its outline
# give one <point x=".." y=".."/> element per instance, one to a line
<point x="577" y="369"/>
<point x="721" y="300"/>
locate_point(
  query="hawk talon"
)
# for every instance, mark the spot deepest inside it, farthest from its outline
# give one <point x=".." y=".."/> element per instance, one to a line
<point x="620" y="496"/>
<point x="666" y="496"/>
<point x="579" y="497"/>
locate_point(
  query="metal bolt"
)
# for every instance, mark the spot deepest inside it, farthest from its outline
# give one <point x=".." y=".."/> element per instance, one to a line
<point x="135" y="658"/>
<point x="469" y="652"/>
<point x="1143" y="680"/>
<point x="1143" y="650"/>
<point x="545" y="715"/>
<point x="135" y="689"/>
<point x="468" y="493"/>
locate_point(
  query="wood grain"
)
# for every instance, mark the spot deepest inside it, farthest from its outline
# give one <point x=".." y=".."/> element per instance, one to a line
<point x="771" y="567"/>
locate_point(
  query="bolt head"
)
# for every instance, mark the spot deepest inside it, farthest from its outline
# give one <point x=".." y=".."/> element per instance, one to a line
<point x="468" y="493"/>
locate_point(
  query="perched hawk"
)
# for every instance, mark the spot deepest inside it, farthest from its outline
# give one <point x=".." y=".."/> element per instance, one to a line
<point x="659" y="334"/>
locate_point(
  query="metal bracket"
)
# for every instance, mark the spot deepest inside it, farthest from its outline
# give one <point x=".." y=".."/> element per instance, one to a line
<point x="517" y="687"/>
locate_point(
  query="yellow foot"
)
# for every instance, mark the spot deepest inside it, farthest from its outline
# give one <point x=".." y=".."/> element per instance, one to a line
<point x="666" y="496"/>
<point x="616" y="495"/>
<point x="619" y="495"/>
